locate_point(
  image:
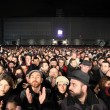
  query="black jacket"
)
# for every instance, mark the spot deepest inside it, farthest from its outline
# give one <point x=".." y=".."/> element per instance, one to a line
<point x="92" y="103"/>
<point x="47" y="105"/>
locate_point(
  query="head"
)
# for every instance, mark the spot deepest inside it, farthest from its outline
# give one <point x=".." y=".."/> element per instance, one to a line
<point x="11" y="64"/>
<point x="105" y="66"/>
<point x="12" y="105"/>
<point x="6" y="83"/>
<point x="53" y="62"/>
<point x="108" y="59"/>
<point x="35" y="78"/>
<point x="77" y="88"/>
<point x="62" y="82"/>
<point x="53" y="72"/>
<point x="100" y="60"/>
<point x="15" y="59"/>
<point x="44" y="67"/>
<point x="28" y="59"/>
<point x="104" y="82"/>
<point x="86" y="66"/>
<point x="79" y="82"/>
<point x="73" y="55"/>
<point x="61" y="62"/>
<point x="36" y="61"/>
<point x="73" y="62"/>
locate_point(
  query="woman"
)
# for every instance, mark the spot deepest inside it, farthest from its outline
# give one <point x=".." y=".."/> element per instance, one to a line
<point x="6" y="90"/>
<point x="61" y="89"/>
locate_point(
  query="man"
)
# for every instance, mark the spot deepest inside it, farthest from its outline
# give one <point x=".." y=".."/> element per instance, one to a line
<point x="81" y="97"/>
<point x="32" y="97"/>
<point x="86" y="66"/>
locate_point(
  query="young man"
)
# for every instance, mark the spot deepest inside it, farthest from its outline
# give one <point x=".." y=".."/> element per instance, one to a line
<point x="81" y="97"/>
<point x="34" y="95"/>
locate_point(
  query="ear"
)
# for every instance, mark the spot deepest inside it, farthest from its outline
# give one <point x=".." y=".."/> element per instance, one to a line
<point x="41" y="80"/>
<point x="84" y="87"/>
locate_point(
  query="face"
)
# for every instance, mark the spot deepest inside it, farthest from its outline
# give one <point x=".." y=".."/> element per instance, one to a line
<point x="18" y="73"/>
<point x="108" y="59"/>
<point x="105" y="67"/>
<point x="61" y="63"/>
<point x="53" y="73"/>
<point x="85" y="68"/>
<point x="11" y="65"/>
<point x="74" y="55"/>
<point x="74" y="63"/>
<point x="107" y="84"/>
<point x="28" y="59"/>
<point x="53" y="63"/>
<point x="45" y="66"/>
<point x="10" y="106"/>
<point x="62" y="87"/>
<point x="35" y="79"/>
<point x="36" y="62"/>
<point x="75" y="88"/>
<point x="4" y="87"/>
<point x="14" y="59"/>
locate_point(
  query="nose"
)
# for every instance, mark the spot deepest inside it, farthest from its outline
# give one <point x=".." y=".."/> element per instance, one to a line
<point x="69" y="87"/>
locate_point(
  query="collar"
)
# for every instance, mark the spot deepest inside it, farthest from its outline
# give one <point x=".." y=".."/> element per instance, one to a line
<point x="90" y="100"/>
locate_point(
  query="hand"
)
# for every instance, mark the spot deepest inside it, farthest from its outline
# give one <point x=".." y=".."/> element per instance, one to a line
<point x="42" y="96"/>
<point x="18" y="108"/>
<point x="1" y="104"/>
<point x="25" y="85"/>
<point x="29" y="95"/>
<point x="97" y="89"/>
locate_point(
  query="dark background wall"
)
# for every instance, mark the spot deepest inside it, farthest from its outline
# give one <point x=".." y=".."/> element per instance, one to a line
<point x="41" y="30"/>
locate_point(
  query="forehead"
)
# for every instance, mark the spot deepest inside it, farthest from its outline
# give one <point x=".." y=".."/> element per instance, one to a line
<point x="4" y="81"/>
<point x="75" y="81"/>
<point x="103" y="64"/>
<point x="53" y="70"/>
<point x="35" y="74"/>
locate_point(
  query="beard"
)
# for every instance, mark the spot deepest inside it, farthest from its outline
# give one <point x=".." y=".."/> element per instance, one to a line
<point x="76" y="95"/>
<point x="35" y="84"/>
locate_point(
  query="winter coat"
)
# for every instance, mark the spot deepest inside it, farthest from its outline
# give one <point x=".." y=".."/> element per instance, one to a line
<point x="35" y="105"/>
<point x="92" y="103"/>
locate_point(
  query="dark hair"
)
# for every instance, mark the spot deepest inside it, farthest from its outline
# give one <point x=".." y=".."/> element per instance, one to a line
<point x="103" y="81"/>
<point x="8" y="79"/>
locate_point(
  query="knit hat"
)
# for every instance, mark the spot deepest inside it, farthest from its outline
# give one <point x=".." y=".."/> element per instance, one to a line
<point x="62" y="79"/>
<point x="37" y="71"/>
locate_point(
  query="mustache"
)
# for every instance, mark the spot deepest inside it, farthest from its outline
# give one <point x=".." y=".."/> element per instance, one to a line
<point x="35" y="82"/>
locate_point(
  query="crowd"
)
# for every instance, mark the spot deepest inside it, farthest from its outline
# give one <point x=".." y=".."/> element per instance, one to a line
<point x="54" y="78"/>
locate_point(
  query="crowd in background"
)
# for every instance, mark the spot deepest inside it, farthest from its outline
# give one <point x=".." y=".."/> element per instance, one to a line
<point x="43" y="78"/>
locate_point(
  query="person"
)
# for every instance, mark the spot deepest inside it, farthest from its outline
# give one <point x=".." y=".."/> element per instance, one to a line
<point x="102" y="91"/>
<point x="6" y="90"/>
<point x="35" y="97"/>
<point x="61" y="90"/>
<point x="81" y="97"/>
<point x="13" y="105"/>
<point x="73" y="65"/>
<point x="32" y="97"/>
